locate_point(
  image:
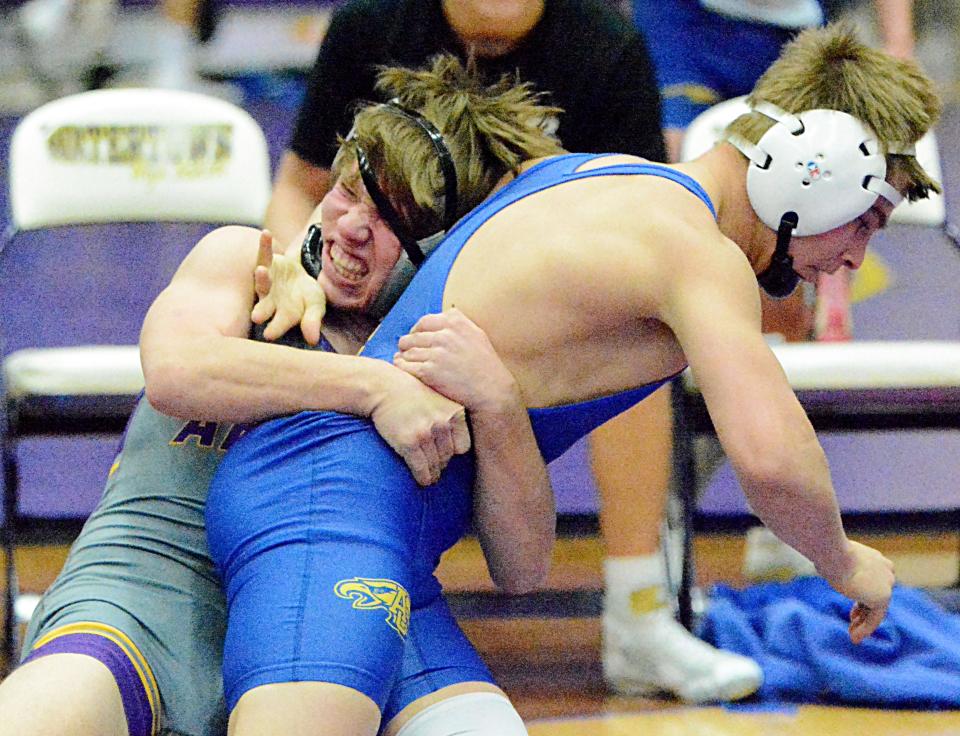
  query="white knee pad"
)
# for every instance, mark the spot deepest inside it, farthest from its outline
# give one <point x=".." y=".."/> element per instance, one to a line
<point x="471" y="714"/>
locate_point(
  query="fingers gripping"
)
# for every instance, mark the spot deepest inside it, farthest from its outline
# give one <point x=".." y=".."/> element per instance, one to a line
<point x="461" y="434"/>
<point x="419" y="340"/>
<point x="864" y="620"/>
<point x="416" y="460"/>
<point x="423" y="458"/>
<point x="431" y="322"/>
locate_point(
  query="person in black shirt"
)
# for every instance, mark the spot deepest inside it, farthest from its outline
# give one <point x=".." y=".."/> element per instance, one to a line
<point x="581" y="54"/>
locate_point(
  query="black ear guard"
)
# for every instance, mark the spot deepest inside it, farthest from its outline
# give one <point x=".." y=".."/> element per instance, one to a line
<point x="400" y="276"/>
<point x="310" y="251"/>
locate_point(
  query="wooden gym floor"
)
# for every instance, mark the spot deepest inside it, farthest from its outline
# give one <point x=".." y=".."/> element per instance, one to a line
<point x="551" y="666"/>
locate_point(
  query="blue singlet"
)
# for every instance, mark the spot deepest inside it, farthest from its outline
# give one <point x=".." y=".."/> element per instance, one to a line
<point x="327" y="546"/>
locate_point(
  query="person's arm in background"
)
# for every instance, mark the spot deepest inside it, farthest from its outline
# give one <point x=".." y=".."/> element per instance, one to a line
<point x="895" y="21"/>
<point x="514" y="510"/>
<point x="199" y="363"/>
<point x="341" y="75"/>
<point x="297" y="188"/>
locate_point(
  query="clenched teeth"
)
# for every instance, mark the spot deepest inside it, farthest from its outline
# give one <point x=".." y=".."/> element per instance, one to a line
<point x="346" y="265"/>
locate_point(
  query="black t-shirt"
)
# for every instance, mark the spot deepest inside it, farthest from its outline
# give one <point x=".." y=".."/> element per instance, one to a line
<point x="588" y="59"/>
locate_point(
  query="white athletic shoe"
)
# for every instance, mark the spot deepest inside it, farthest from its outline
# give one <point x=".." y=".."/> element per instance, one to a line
<point x="654" y="654"/>
<point x="768" y="559"/>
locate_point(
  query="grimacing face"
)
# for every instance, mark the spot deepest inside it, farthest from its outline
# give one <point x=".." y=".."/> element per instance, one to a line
<point x="359" y="248"/>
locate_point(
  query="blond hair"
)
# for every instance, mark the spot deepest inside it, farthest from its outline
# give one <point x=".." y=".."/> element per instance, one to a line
<point x="830" y="68"/>
<point x="489" y="130"/>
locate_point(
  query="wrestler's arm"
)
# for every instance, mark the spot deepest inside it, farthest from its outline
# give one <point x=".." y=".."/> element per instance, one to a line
<point x="712" y="306"/>
<point x="514" y="511"/>
<point x="198" y="363"/>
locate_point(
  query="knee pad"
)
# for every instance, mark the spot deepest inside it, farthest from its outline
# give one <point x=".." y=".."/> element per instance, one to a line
<point x="471" y="714"/>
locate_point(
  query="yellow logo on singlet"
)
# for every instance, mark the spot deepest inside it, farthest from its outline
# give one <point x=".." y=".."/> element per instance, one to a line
<point x="376" y="593"/>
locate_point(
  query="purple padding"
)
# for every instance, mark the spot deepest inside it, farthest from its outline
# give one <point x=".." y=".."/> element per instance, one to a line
<point x="903" y="471"/>
<point x="86" y="285"/>
<point x="63" y="478"/>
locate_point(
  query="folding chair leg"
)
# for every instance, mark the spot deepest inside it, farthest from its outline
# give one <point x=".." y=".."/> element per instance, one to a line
<point x="10" y="491"/>
<point x="685" y="474"/>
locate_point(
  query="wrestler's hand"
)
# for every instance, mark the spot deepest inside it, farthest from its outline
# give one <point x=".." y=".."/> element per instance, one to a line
<point x="449" y="353"/>
<point x="423" y="427"/>
<point x="286" y="295"/>
<point x="870" y="584"/>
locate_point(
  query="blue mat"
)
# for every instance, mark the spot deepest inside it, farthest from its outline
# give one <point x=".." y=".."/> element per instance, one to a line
<point x="797" y="631"/>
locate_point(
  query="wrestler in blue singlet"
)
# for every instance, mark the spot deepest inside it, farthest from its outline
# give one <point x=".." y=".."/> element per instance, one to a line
<point x="328" y="546"/>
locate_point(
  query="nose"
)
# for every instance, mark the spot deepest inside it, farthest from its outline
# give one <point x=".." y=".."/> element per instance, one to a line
<point x="355" y="225"/>
<point x="853" y="258"/>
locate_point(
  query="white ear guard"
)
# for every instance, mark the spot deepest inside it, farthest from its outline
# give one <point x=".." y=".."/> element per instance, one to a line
<point x="824" y="165"/>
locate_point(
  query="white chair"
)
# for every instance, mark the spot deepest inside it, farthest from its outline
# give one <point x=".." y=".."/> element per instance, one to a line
<point x="855" y="386"/>
<point x="112" y="156"/>
<point x="706" y="129"/>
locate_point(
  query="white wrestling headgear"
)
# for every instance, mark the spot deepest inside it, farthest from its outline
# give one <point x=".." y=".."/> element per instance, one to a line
<point x="824" y="165"/>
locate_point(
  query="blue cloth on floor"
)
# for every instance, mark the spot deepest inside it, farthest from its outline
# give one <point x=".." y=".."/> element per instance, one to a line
<point x="797" y="632"/>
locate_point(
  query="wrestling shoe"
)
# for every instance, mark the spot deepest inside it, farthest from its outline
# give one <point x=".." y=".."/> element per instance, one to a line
<point x="767" y="559"/>
<point x="652" y="654"/>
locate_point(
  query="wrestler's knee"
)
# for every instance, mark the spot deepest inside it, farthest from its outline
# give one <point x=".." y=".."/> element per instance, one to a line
<point x="465" y="709"/>
<point x="304" y="709"/>
<point x="61" y="695"/>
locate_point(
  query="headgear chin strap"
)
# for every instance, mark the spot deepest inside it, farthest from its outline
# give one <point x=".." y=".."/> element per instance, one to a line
<point x="778" y="279"/>
<point x="402" y="273"/>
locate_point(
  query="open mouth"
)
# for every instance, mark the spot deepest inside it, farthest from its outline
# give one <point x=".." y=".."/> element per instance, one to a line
<point x="348" y="267"/>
